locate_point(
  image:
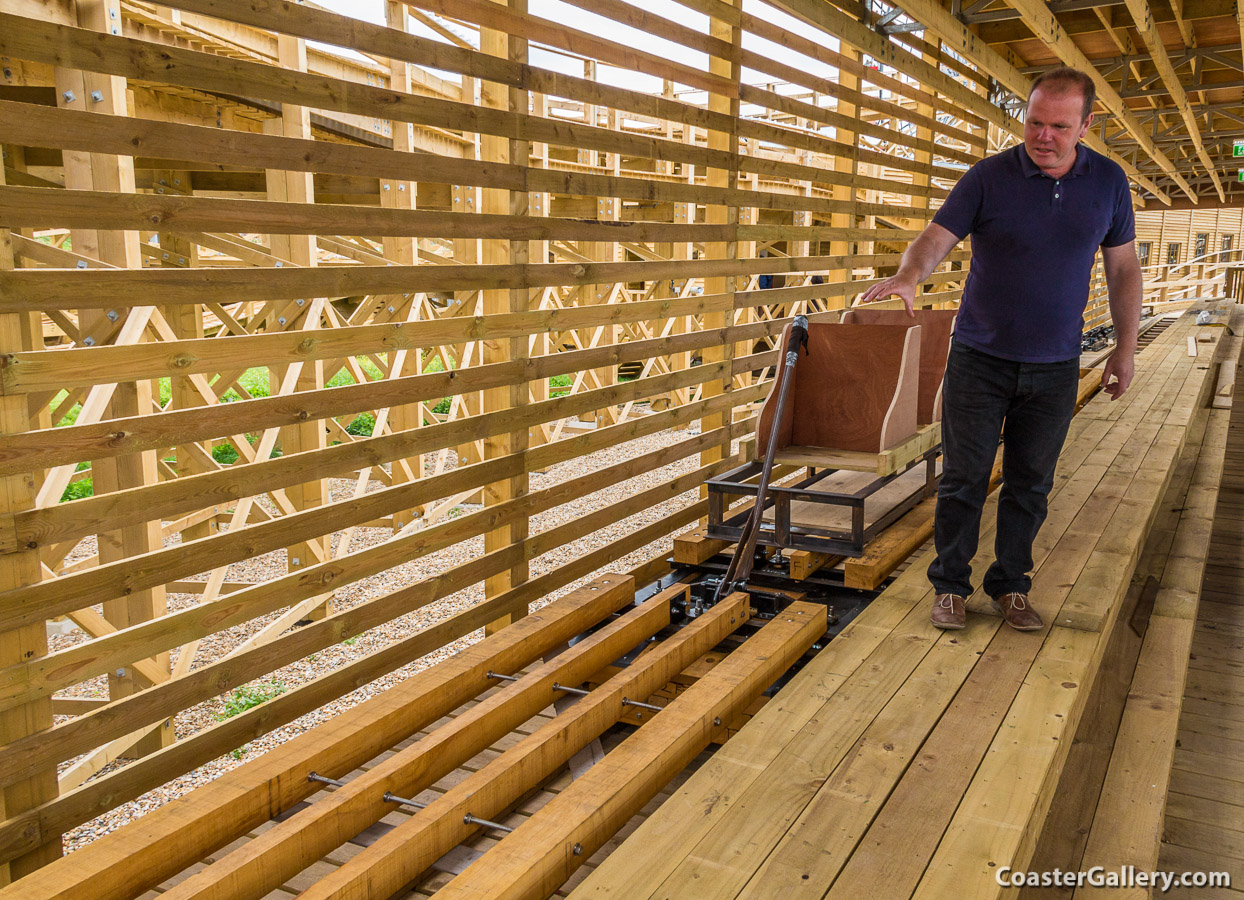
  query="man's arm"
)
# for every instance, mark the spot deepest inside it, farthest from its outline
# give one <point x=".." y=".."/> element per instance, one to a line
<point x="1124" y="282"/>
<point x="921" y="258"/>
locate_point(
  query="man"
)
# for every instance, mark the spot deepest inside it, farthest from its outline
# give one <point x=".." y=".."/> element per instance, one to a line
<point x="1037" y="214"/>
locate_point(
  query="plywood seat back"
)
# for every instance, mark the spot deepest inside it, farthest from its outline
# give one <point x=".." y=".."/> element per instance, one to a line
<point x="936" y="328"/>
<point x="855" y="389"/>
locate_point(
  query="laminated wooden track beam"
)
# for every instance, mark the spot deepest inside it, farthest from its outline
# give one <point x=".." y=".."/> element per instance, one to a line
<point x="298" y="841"/>
<point x="408" y="850"/>
<point x="185" y="830"/>
<point x="541" y="853"/>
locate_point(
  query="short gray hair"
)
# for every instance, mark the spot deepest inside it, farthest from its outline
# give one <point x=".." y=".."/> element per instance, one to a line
<point x="1064" y="80"/>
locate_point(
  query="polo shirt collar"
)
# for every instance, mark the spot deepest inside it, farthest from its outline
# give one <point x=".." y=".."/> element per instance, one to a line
<point x="1081" y="166"/>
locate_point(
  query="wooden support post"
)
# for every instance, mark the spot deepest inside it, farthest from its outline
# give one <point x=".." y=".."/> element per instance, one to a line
<point x="186" y="320"/>
<point x="400" y="194"/>
<point x="17" y="569"/>
<point x="715" y="214"/>
<point x="103" y="172"/>
<point x="297" y="187"/>
<point x="848" y="164"/>
<point x="497" y="302"/>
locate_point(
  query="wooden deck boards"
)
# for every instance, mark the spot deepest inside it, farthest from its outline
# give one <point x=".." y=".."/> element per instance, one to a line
<point x="1204" y="820"/>
<point x="907" y="762"/>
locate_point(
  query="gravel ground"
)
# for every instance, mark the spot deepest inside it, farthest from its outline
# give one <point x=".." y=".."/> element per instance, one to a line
<point x="272" y="565"/>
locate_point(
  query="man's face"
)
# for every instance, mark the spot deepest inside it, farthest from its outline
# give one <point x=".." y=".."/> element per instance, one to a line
<point x="1052" y="129"/>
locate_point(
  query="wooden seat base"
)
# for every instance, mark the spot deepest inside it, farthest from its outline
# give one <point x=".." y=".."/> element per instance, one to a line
<point x="886" y="462"/>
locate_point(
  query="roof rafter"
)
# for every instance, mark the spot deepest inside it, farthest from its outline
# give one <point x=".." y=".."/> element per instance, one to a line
<point x="1046" y="27"/>
<point x="1143" y="17"/>
<point x="1005" y="68"/>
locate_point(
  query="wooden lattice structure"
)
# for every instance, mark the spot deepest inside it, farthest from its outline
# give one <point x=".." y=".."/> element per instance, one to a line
<point x="248" y="248"/>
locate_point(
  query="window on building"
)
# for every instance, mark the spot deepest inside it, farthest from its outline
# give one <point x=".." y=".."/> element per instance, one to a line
<point x="1142" y="252"/>
<point x="1172" y="254"/>
<point x="1202" y="245"/>
<point x="1228" y="241"/>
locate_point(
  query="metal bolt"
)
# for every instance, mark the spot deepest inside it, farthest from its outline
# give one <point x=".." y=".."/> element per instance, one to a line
<point x="97" y="96"/>
<point x="89" y="341"/>
<point x="390" y="797"/>
<point x="386" y="187"/>
<point x="69" y="96"/>
<point x="82" y="264"/>
<point x="164" y="255"/>
<point x="296" y="561"/>
<point x="120" y="673"/>
<point x="716" y="720"/>
<point x="577" y="849"/>
<point x="469" y="819"/>
<point x="401" y="187"/>
<point x="300" y="301"/>
<point x="112" y="13"/>
<point x="278" y="264"/>
<point x="315" y="776"/>
<point x="112" y="315"/>
<point x="280" y="320"/>
<point x="391" y="309"/>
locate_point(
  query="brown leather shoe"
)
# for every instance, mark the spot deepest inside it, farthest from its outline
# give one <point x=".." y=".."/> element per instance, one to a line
<point x="1017" y="613"/>
<point x="948" y="612"/>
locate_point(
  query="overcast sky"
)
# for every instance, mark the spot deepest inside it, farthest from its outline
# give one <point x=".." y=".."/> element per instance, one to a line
<point x="554" y="10"/>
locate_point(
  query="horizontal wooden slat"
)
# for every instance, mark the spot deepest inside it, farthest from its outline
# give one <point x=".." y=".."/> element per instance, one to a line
<point x="35" y="289"/>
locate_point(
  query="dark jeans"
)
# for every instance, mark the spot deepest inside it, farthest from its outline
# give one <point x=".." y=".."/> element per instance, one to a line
<point x="1029" y="407"/>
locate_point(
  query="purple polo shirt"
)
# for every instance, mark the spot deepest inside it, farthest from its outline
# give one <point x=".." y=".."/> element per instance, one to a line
<point x="1034" y="239"/>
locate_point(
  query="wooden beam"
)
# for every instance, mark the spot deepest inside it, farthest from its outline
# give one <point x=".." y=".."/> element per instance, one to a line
<point x="1142" y="15"/>
<point x="400" y="856"/>
<point x="1046" y="27"/>
<point x="540" y="854"/>
<point x="284" y="850"/>
<point x="181" y="833"/>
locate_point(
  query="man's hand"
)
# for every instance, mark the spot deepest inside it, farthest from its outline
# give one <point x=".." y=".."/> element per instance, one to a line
<point x="1117" y="374"/>
<point x="895" y="285"/>
<point x="920" y="259"/>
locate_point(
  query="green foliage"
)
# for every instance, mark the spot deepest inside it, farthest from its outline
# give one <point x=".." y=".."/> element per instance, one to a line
<point x="77" y="490"/>
<point x="351" y="641"/>
<point x="225" y="454"/>
<point x="363" y="425"/>
<point x="250" y="695"/>
<point x="559" y="385"/>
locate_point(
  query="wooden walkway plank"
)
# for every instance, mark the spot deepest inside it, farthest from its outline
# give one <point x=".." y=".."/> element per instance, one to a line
<point x="538" y="857"/>
<point x="724" y="809"/>
<point x="905" y="835"/>
<point x="1204" y="821"/>
<point x="1065" y="830"/>
<point x="995" y="819"/>
<point x="1058" y="564"/>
